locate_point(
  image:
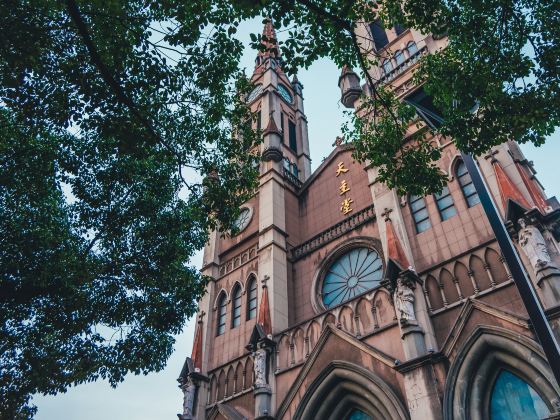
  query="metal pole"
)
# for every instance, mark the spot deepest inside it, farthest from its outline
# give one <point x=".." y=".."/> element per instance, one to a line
<point x="530" y="299"/>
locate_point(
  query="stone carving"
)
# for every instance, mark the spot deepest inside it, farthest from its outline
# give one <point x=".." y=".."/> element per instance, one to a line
<point x="259" y="357"/>
<point x="404" y="302"/>
<point x="189" y="390"/>
<point x="534" y="245"/>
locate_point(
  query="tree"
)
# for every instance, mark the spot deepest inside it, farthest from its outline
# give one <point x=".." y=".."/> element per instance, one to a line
<point x="109" y="105"/>
<point x="117" y="156"/>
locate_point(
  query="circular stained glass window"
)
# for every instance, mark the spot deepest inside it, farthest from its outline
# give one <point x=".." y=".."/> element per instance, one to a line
<point x="356" y="272"/>
<point x="243" y="219"/>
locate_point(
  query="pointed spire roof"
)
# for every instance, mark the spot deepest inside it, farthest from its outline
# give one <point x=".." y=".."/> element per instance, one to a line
<point x="534" y="191"/>
<point x="269" y="41"/>
<point x="508" y="190"/>
<point x="196" y="355"/>
<point x="395" y="250"/>
<point x="264" y="313"/>
<point x="271" y="126"/>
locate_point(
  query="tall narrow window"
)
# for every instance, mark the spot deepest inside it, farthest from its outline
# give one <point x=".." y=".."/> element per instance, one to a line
<point x="292" y="135"/>
<point x="282" y="125"/>
<point x="466" y="184"/>
<point x="236" y="307"/>
<point x="445" y="204"/>
<point x="378" y="33"/>
<point x="412" y="48"/>
<point x="252" y="298"/>
<point x="419" y="213"/>
<point x="259" y="121"/>
<point x="399" y="57"/>
<point x="221" y="321"/>
<point x="387" y="66"/>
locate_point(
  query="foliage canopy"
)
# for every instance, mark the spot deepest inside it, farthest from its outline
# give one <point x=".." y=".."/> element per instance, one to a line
<point x="116" y="153"/>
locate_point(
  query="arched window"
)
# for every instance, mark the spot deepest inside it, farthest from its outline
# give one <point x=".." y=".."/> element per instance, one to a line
<point x="466" y="184"/>
<point x="221" y="321"/>
<point x="252" y="298"/>
<point x="445" y="204"/>
<point x="513" y="398"/>
<point x="399" y="29"/>
<point x="355" y="272"/>
<point x="236" y="307"/>
<point x="399" y="57"/>
<point x="387" y="66"/>
<point x="412" y="48"/>
<point x="378" y="34"/>
<point x="419" y="213"/>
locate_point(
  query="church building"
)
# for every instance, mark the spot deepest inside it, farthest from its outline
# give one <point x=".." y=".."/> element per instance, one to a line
<point x="338" y="299"/>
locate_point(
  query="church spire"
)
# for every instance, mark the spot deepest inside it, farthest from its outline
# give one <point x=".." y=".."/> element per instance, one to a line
<point x="395" y="250"/>
<point x="196" y="355"/>
<point x="264" y="312"/>
<point x="508" y="190"/>
<point x="271" y="49"/>
<point x="534" y="192"/>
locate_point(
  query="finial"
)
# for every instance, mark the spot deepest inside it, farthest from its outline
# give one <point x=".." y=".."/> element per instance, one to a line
<point x="386" y="214"/>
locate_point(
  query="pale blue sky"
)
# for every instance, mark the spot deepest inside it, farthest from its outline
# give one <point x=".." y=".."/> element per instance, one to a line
<point x="156" y="396"/>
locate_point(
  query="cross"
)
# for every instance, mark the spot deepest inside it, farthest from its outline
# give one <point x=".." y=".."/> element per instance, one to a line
<point x="491" y="155"/>
<point x="264" y="280"/>
<point x="201" y="316"/>
<point x="386" y="214"/>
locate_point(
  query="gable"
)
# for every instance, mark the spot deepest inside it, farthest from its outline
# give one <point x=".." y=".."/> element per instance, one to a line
<point x="336" y="346"/>
<point x="321" y="200"/>
<point x="475" y="313"/>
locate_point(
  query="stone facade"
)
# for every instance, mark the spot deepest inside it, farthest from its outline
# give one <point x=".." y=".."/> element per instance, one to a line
<point x="429" y="340"/>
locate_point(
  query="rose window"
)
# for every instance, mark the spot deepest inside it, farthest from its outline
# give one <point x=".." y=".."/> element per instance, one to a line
<point x="354" y="273"/>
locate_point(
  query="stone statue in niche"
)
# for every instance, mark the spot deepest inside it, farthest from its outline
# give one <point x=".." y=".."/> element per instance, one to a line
<point x="533" y="244"/>
<point x="404" y="302"/>
<point x="189" y="390"/>
<point x="259" y="357"/>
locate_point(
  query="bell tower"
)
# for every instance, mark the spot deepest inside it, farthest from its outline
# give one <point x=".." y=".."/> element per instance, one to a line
<point x="278" y="103"/>
<point x="247" y="299"/>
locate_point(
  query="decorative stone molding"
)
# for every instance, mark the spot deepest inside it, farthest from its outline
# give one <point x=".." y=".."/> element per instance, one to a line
<point x="334" y="232"/>
<point x="292" y="179"/>
<point x="238" y="260"/>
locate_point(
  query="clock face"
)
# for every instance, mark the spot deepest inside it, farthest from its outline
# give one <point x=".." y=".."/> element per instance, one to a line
<point x="243" y="219"/>
<point x="285" y="93"/>
<point x="254" y="93"/>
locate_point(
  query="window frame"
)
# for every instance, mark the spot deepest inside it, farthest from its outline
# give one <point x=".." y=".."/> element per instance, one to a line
<point x="439" y="198"/>
<point x="399" y="55"/>
<point x="413" y="199"/>
<point x="292" y="135"/>
<point x="411" y="54"/>
<point x="221" y="314"/>
<point x="386" y="63"/>
<point x="252" y="287"/>
<point x="236" y="304"/>
<point x="463" y="186"/>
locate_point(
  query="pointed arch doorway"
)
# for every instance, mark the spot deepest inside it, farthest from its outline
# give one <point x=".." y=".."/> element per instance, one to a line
<point x="347" y="391"/>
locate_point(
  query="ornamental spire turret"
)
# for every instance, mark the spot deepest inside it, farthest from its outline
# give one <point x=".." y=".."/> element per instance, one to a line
<point x="270" y="45"/>
<point x="508" y="190"/>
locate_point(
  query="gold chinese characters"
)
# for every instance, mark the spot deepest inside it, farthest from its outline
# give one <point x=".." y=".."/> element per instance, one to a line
<point x="346" y="204"/>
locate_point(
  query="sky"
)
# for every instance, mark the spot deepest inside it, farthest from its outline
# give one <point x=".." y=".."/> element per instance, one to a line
<point x="156" y="396"/>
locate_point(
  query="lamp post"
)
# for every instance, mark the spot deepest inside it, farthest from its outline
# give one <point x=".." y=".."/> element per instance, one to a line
<point x="529" y="297"/>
